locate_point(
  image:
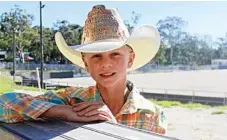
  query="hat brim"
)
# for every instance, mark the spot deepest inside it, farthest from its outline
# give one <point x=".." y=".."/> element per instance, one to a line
<point x="145" y="42"/>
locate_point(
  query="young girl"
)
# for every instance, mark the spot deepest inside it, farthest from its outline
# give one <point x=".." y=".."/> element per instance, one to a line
<point x="107" y="52"/>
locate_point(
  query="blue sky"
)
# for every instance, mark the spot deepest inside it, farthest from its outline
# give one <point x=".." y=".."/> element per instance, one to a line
<point x="205" y="18"/>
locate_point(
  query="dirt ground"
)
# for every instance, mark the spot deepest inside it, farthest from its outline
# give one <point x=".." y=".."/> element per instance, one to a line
<point x="196" y="124"/>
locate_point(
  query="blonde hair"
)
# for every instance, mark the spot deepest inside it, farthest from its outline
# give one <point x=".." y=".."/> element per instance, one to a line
<point x="129" y="48"/>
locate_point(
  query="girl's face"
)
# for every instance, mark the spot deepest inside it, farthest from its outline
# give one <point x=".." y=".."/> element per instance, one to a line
<point x="109" y="68"/>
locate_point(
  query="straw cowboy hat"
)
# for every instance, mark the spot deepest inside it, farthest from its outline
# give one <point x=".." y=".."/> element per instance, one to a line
<point x="104" y="30"/>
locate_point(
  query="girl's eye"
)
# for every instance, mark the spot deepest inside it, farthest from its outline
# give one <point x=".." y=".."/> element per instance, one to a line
<point x="96" y="56"/>
<point x="115" y="54"/>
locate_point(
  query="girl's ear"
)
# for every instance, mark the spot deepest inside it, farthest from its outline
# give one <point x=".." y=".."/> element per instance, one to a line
<point x="85" y="63"/>
<point x="131" y="59"/>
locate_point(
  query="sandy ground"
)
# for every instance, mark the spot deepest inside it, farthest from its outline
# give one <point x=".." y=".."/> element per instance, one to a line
<point x="203" y="80"/>
<point x="196" y="124"/>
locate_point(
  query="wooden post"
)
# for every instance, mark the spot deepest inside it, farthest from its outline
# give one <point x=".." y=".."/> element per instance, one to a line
<point x="38" y="79"/>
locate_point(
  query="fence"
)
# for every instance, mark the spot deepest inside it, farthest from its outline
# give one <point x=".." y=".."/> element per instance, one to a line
<point x="21" y="66"/>
<point x="193" y="96"/>
<point x="76" y="69"/>
<point x="5" y="73"/>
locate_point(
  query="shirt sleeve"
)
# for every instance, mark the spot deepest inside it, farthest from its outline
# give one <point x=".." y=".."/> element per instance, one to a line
<point x="62" y="97"/>
<point x="17" y="107"/>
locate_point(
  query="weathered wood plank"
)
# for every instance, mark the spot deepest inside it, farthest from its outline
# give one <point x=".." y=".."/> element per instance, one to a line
<point x="62" y="130"/>
<point x="5" y="135"/>
<point x="27" y="132"/>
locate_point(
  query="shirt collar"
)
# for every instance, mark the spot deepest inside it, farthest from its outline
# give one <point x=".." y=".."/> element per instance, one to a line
<point x="136" y="101"/>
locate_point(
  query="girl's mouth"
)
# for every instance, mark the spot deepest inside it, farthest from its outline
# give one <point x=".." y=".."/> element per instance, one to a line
<point x="109" y="74"/>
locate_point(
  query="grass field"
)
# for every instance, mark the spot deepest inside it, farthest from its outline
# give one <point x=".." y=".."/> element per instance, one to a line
<point x="7" y="84"/>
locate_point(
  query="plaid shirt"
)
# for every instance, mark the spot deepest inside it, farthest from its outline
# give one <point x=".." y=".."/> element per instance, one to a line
<point x="136" y="112"/>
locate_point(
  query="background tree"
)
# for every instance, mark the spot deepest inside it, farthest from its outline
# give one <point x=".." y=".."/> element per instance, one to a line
<point x="132" y="23"/>
<point x="71" y="32"/>
<point x="177" y="46"/>
<point x="171" y="30"/>
<point x="19" y="22"/>
<point x="221" y="52"/>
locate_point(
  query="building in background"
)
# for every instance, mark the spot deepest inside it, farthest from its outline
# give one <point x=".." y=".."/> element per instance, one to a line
<point x="3" y="55"/>
<point x="219" y="64"/>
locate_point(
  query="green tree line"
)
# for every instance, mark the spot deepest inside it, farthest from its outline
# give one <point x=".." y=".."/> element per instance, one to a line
<point x="178" y="47"/>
